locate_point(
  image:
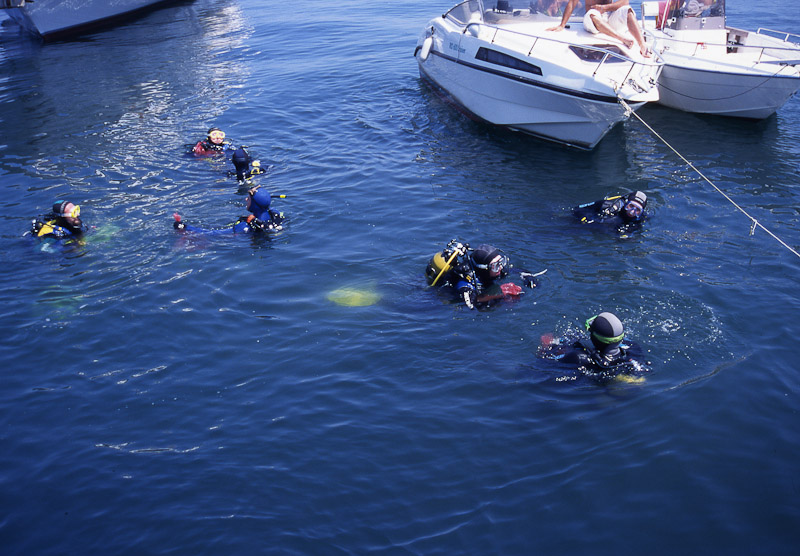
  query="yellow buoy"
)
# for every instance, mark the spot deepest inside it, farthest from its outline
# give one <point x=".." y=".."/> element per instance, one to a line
<point x="354" y="297"/>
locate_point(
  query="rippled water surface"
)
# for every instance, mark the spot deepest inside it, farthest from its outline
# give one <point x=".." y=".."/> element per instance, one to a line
<point x="205" y="396"/>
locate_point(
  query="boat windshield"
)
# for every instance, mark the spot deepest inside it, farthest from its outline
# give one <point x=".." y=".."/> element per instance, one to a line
<point x="693" y="14"/>
<point x="466" y="12"/>
<point x="471" y="10"/>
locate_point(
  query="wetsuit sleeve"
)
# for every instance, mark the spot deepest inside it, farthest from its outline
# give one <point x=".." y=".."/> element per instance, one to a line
<point x="588" y="211"/>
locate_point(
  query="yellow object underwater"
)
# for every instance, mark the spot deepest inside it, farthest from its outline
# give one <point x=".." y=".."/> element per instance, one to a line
<point x="353" y="297"/>
<point x="103" y="234"/>
<point x="628" y="379"/>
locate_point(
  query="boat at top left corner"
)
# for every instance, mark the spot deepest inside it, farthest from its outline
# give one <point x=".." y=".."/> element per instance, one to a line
<point x="63" y="19"/>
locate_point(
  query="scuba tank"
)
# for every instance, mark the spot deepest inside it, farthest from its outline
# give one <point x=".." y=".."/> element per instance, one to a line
<point x="443" y="262"/>
<point x="437" y="266"/>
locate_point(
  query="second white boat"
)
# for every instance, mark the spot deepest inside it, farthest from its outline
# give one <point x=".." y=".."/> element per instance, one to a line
<point x="715" y="69"/>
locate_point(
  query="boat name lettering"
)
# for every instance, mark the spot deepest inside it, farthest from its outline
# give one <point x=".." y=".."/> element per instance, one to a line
<point x="454" y="46"/>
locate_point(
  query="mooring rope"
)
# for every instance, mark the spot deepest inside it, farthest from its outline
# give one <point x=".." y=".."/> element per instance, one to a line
<point x="754" y="223"/>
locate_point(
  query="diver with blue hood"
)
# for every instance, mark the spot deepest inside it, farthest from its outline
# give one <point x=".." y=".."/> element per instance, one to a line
<point x="62" y="222"/>
<point x="625" y="213"/>
<point x="476" y="274"/>
<point x="261" y="218"/>
<point x="242" y="162"/>
<point x="605" y="353"/>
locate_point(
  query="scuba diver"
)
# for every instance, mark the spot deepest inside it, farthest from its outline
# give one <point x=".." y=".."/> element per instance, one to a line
<point x="476" y="273"/>
<point x="625" y="213"/>
<point x="605" y="354"/>
<point x="261" y="217"/>
<point x="213" y="144"/>
<point x="241" y="161"/>
<point x="62" y="222"/>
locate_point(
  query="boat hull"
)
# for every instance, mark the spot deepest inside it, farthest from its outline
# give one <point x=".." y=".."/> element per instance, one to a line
<point x="505" y="66"/>
<point x="551" y="113"/>
<point x="711" y="68"/>
<point x="58" y="19"/>
<point x="743" y="95"/>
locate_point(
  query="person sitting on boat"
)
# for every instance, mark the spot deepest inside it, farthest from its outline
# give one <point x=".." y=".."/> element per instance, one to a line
<point x="610" y="17"/>
<point x="476" y="274"/>
<point x="604" y="354"/>
<point x="261" y="218"/>
<point x="548" y="7"/>
<point x="623" y="212"/>
<point x="698" y="8"/>
<point x="62" y="222"/>
<point x="214" y="143"/>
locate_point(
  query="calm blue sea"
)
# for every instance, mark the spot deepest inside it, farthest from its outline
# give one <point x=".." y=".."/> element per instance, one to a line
<point x="164" y="395"/>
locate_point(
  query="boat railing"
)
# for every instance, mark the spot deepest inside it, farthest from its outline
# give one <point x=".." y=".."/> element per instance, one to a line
<point x="732" y="46"/>
<point x="781" y="35"/>
<point x="606" y="57"/>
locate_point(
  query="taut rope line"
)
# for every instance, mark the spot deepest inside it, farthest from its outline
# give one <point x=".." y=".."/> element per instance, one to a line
<point x="754" y="223"/>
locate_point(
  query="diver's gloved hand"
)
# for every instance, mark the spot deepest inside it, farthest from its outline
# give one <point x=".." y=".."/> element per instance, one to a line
<point x="511" y="289"/>
<point x="469" y="296"/>
<point x="256" y="223"/>
<point x="528" y="279"/>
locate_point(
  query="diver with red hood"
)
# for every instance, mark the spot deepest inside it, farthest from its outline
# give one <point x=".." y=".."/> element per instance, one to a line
<point x="214" y="143"/>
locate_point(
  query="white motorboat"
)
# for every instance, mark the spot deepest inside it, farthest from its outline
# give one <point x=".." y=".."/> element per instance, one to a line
<point x="498" y="62"/>
<point x="55" y="19"/>
<point x="711" y="68"/>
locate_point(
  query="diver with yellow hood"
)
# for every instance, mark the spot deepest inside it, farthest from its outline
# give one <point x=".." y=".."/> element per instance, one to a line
<point x="62" y="222"/>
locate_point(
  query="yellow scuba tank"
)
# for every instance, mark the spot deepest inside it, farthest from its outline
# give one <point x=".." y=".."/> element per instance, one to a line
<point x="437" y="267"/>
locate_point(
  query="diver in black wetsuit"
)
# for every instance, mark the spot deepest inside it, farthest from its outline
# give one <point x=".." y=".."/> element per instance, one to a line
<point x="624" y="213"/>
<point x="605" y="353"/>
<point x="63" y="222"/>
<point x="476" y="273"/>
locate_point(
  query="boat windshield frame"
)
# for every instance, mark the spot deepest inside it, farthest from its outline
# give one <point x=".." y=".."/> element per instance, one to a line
<point x="692" y="14"/>
<point x="473" y="11"/>
<point x="465" y="12"/>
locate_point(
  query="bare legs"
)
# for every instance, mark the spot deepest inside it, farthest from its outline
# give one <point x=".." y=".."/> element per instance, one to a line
<point x="633" y="27"/>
